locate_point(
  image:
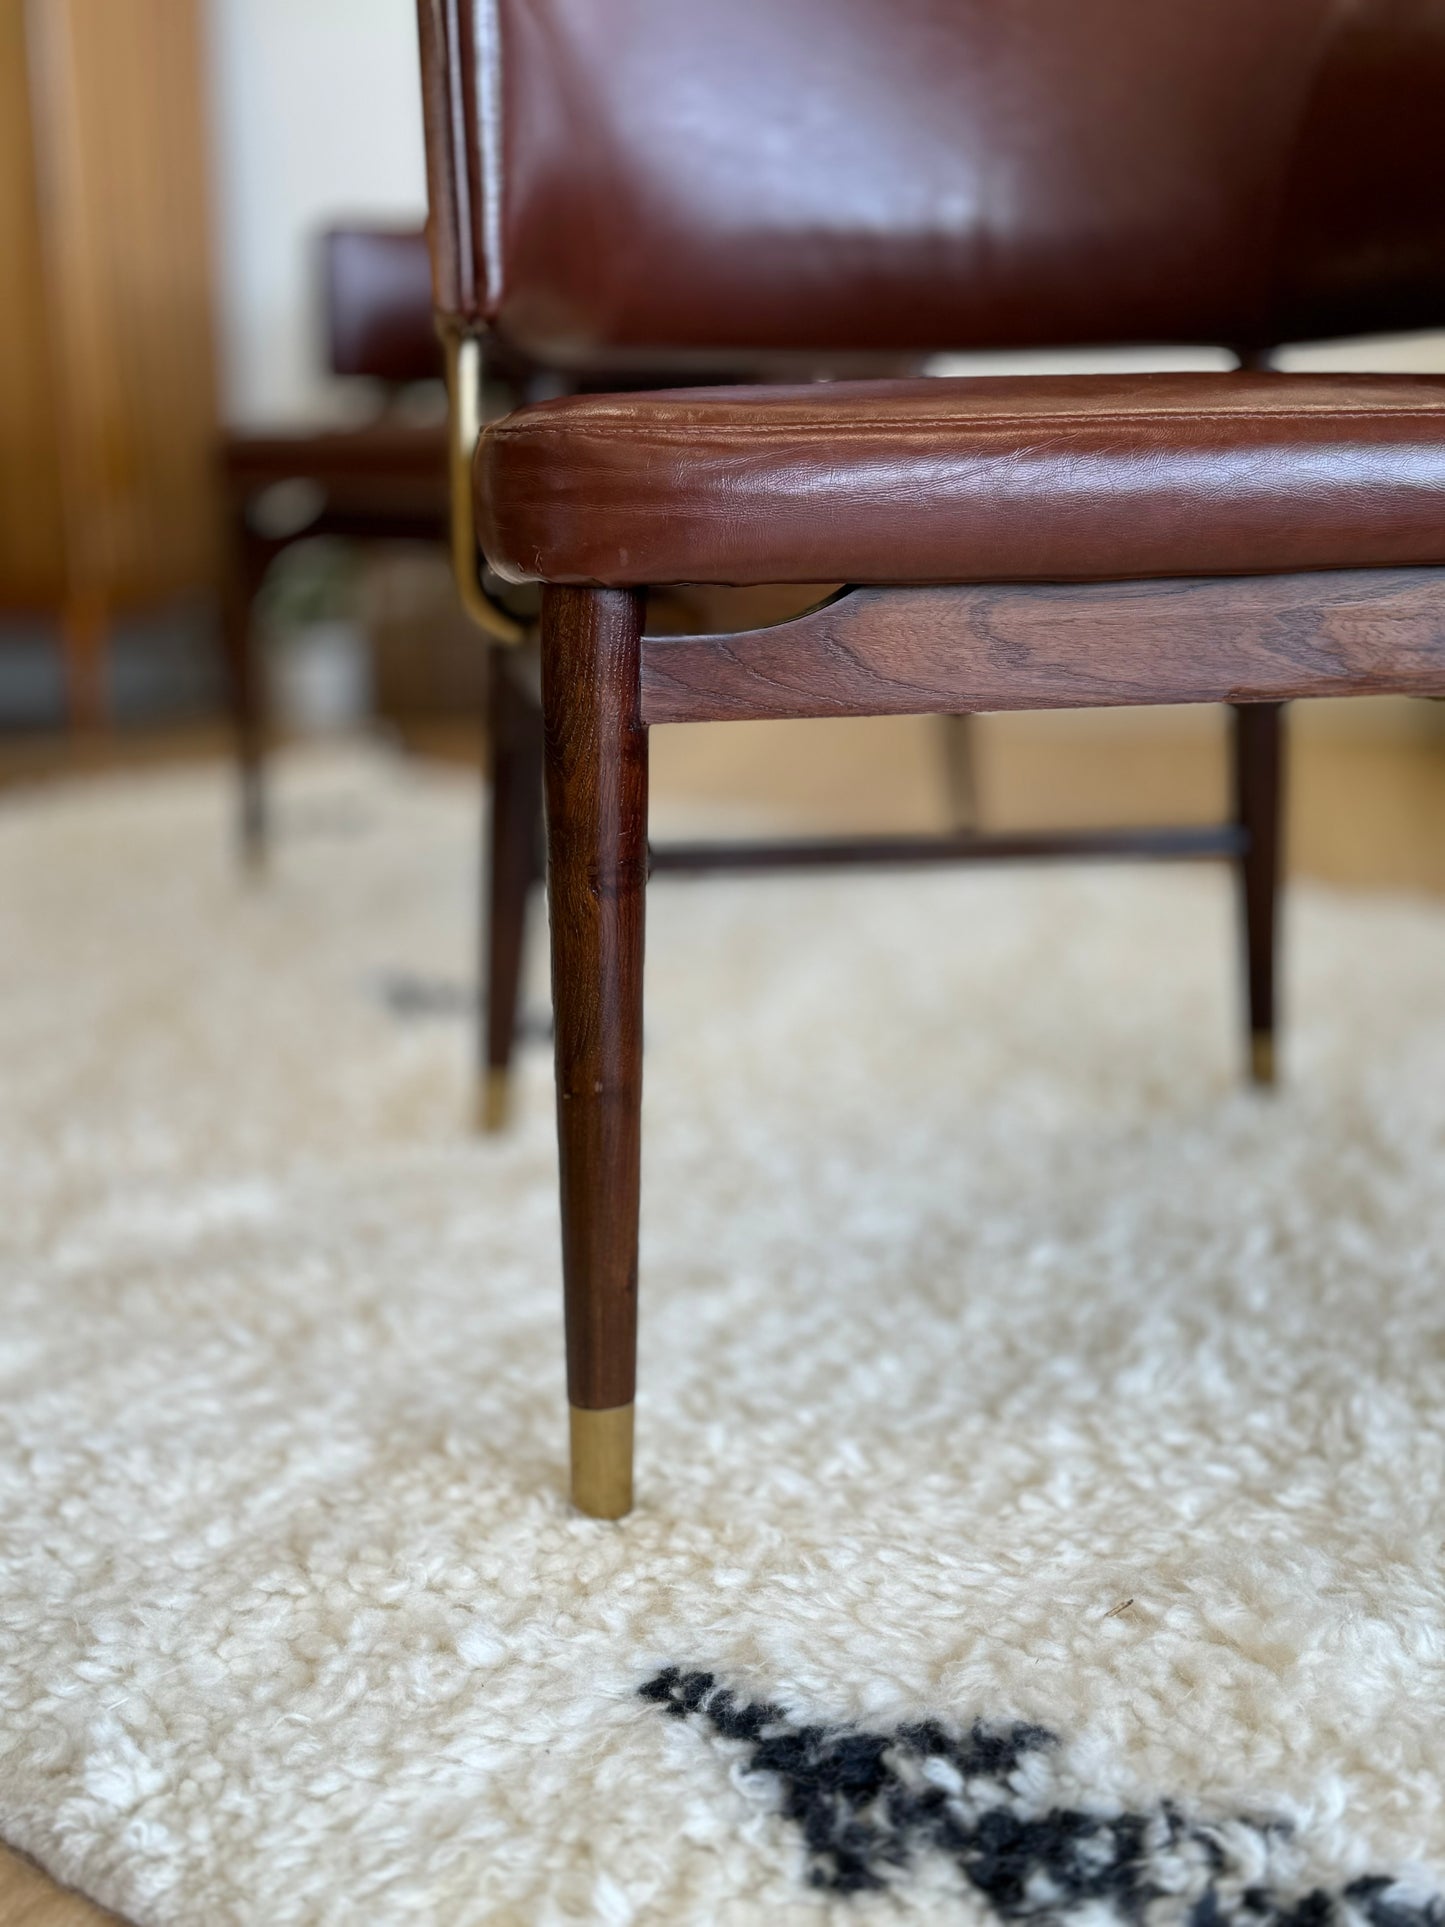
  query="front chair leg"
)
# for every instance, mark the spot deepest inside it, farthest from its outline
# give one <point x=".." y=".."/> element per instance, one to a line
<point x="1258" y="745"/>
<point x="596" y="782"/>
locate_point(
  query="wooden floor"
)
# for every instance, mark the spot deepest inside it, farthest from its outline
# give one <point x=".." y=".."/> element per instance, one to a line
<point x="30" y="1898"/>
<point x="1366" y="810"/>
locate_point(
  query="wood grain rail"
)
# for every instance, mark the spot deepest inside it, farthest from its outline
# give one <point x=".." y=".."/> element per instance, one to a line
<point x="1188" y="841"/>
<point x="595" y="752"/>
<point x="912" y="651"/>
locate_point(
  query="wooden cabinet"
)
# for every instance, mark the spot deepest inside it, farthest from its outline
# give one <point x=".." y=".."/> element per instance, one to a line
<point x="107" y="374"/>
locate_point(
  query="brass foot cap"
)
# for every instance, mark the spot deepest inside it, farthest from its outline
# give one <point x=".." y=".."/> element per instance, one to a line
<point x="602" y="1461"/>
<point x="494" y="1101"/>
<point x="1261" y="1057"/>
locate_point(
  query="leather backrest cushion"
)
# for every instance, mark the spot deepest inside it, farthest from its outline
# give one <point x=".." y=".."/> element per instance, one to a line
<point x="896" y="175"/>
<point x="378" y="304"/>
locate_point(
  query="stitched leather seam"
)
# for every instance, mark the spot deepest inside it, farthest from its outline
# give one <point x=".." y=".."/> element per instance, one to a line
<point x="681" y="431"/>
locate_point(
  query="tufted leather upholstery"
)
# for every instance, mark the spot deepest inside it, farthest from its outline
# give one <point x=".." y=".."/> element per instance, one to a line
<point x="970" y="480"/>
<point x="866" y="176"/>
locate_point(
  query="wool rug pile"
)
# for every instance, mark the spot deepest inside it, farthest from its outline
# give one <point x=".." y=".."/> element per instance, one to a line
<point x="1041" y="1438"/>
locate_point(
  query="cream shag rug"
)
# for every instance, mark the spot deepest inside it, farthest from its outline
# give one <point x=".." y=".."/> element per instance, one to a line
<point x="1040" y="1444"/>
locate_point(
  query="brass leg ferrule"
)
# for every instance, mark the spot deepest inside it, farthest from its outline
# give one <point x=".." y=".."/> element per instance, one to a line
<point x="1261" y="1057"/>
<point x="602" y="1461"/>
<point x="494" y="1101"/>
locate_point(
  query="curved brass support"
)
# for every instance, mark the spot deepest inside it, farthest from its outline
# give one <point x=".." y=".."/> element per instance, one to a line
<point x="464" y="391"/>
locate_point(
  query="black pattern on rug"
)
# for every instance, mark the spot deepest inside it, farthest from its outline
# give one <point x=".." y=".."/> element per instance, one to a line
<point x="871" y="1805"/>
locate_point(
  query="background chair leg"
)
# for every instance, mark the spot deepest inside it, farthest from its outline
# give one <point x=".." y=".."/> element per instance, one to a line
<point x="512" y="865"/>
<point x="1258" y="753"/>
<point x="958" y="743"/>
<point x="246" y="567"/>
<point x="596" y="776"/>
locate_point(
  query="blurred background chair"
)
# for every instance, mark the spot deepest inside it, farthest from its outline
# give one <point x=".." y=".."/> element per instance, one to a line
<point x="645" y="185"/>
<point x="385" y="479"/>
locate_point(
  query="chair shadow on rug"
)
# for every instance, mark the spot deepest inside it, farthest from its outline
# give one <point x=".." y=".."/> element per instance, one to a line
<point x="640" y="184"/>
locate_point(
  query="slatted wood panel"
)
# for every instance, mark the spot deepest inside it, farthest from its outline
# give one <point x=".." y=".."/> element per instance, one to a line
<point x="31" y="549"/>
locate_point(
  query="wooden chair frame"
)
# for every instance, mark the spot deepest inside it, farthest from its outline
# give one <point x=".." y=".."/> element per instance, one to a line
<point x="1251" y="642"/>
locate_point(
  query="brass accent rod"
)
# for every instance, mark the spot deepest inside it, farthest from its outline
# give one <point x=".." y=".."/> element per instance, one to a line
<point x="464" y="394"/>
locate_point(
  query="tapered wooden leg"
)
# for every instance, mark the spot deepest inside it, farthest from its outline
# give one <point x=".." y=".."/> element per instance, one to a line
<point x="596" y="781"/>
<point x="512" y="866"/>
<point x="246" y="565"/>
<point x="1258" y="749"/>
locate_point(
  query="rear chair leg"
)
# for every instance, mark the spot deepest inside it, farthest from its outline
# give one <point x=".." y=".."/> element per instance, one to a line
<point x="1258" y="750"/>
<point x="596" y="778"/>
<point x="246" y="565"/>
<point x="512" y="846"/>
<point x="958" y="743"/>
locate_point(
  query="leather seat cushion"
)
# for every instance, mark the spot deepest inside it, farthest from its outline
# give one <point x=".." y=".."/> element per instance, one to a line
<point x="974" y="479"/>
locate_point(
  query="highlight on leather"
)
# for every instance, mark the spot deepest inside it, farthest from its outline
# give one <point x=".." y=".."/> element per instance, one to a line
<point x="876" y="176"/>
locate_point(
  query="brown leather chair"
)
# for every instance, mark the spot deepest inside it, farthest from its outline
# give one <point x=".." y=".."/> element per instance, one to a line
<point x="385" y="480"/>
<point x="857" y="178"/>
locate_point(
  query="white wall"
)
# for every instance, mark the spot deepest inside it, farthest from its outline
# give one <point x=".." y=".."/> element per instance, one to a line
<point x="316" y="116"/>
